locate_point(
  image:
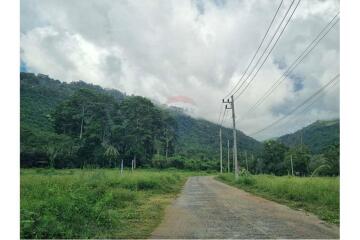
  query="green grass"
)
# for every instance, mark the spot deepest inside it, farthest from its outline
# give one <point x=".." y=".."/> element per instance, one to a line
<point x="319" y="195"/>
<point x="95" y="203"/>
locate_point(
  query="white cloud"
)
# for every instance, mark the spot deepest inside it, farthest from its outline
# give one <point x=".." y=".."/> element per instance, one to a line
<point x="194" y="48"/>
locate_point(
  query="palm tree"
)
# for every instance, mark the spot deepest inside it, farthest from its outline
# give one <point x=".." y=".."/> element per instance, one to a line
<point x="112" y="154"/>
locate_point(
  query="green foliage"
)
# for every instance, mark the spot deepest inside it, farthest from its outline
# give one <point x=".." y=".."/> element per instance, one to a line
<point x="181" y="162"/>
<point x="274" y="157"/>
<point x="301" y="159"/>
<point x="332" y="158"/>
<point x="86" y="113"/>
<point x="320" y="195"/>
<point x="94" y="203"/>
<point x="112" y="154"/>
<point x="92" y="119"/>
<point x="42" y="148"/>
<point x="140" y="128"/>
<point x="39" y="95"/>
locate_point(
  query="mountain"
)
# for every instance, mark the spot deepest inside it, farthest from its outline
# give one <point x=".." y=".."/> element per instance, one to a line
<point x="316" y="136"/>
<point x="198" y="138"/>
<point x="39" y="95"/>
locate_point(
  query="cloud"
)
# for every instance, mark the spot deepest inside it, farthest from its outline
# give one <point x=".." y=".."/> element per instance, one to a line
<point x="194" y="48"/>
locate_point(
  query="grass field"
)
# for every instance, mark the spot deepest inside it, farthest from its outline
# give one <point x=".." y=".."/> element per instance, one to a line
<point x="319" y="195"/>
<point x="95" y="203"/>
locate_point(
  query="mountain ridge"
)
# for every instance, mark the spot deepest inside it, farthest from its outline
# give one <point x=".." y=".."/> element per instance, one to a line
<point x="317" y="135"/>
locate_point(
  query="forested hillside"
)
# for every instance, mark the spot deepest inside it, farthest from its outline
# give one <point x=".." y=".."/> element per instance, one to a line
<point x="78" y="124"/>
<point x="40" y="95"/>
<point x="317" y="136"/>
<point x="200" y="137"/>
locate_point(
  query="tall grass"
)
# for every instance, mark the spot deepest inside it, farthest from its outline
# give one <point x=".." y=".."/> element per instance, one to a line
<point x="94" y="203"/>
<point x="319" y="195"/>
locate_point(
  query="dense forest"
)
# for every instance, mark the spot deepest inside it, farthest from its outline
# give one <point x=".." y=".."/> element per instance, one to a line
<point x="77" y="125"/>
<point x="83" y="125"/>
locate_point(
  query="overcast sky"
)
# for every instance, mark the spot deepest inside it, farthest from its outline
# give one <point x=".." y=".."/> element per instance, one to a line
<point x="192" y="48"/>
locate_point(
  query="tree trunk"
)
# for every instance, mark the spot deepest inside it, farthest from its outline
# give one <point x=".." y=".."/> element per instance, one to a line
<point x="82" y="122"/>
<point x="167" y="147"/>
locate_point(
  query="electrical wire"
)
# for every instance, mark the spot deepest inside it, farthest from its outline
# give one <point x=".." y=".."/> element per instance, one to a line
<point x="294" y="64"/>
<point x="282" y="31"/>
<point x="257" y="50"/>
<point x="297" y="107"/>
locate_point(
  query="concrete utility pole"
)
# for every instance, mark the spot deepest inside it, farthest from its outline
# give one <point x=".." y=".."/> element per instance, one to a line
<point x="292" y="167"/>
<point x="234" y="133"/>
<point x="82" y="122"/>
<point x="221" y="168"/>
<point x="247" y="166"/>
<point x="252" y="160"/>
<point x="228" y="163"/>
<point x="122" y="167"/>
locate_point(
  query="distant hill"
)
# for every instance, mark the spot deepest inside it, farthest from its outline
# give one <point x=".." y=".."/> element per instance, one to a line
<point x="199" y="136"/>
<point x="316" y="136"/>
<point x="41" y="94"/>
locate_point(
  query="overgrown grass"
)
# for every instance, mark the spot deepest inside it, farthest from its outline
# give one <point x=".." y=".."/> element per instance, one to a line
<point x="319" y="195"/>
<point x="95" y="203"/>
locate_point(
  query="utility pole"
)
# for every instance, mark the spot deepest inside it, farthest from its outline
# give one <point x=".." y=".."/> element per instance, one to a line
<point x="228" y="162"/>
<point x="122" y="166"/>
<point x="231" y="102"/>
<point x="82" y="121"/>
<point x="221" y="168"/>
<point x="292" y="167"/>
<point x="247" y="166"/>
<point x="252" y="160"/>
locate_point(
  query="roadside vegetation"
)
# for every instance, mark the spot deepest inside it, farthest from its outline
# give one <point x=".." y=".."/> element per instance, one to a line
<point x="97" y="203"/>
<point x="319" y="195"/>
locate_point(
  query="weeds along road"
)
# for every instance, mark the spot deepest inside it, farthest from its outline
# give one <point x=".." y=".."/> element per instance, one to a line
<point x="207" y="208"/>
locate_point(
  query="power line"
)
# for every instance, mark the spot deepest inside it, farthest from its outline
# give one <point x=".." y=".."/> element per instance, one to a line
<point x="257" y="50"/>
<point x="223" y="116"/>
<point x="330" y="87"/>
<point x="295" y="63"/>
<point x="282" y="31"/>
<point x="317" y="98"/>
<point x="266" y="48"/>
<point x="297" y="107"/>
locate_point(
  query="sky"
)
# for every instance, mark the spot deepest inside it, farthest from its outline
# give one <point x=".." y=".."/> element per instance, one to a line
<point x="195" y="48"/>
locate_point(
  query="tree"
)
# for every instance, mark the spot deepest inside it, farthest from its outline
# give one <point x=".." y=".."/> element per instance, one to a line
<point x="332" y="158"/>
<point x="273" y="157"/>
<point x="52" y="152"/>
<point x="85" y="113"/>
<point x="140" y="128"/>
<point x="112" y="154"/>
<point x="301" y="159"/>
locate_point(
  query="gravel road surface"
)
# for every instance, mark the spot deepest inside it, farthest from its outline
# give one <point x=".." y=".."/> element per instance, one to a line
<point x="207" y="208"/>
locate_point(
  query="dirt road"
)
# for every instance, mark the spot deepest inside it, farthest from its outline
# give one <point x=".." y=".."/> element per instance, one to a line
<point x="207" y="208"/>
